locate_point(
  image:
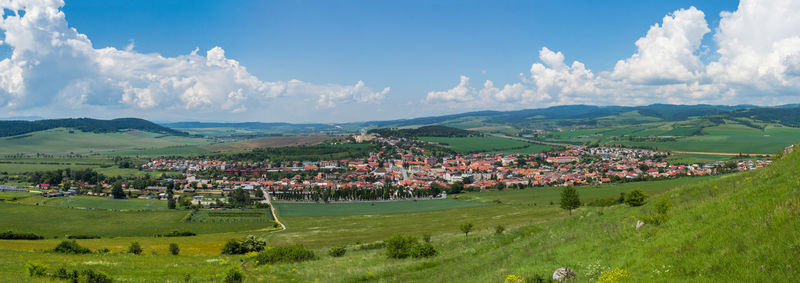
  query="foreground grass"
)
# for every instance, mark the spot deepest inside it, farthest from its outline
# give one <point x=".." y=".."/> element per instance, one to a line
<point x="739" y="227"/>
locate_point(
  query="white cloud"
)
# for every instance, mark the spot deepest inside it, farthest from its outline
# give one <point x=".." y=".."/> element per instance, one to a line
<point x="758" y="61"/>
<point x="461" y="92"/>
<point x="667" y="53"/>
<point x="53" y="64"/>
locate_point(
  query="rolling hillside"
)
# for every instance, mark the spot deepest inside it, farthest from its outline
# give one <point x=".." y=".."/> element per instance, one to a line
<point x="13" y="128"/>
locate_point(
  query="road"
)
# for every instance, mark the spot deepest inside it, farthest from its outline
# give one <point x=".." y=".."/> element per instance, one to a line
<point x="268" y="200"/>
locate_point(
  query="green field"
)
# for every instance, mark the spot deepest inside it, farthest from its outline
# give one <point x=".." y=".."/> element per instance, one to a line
<point x="101" y="203"/>
<point x="289" y="209"/>
<point x="231" y="216"/>
<point x="758" y="210"/>
<point x="65" y="141"/>
<point x="487" y="144"/>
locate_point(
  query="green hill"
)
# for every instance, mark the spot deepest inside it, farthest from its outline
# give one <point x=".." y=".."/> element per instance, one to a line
<point x="738" y="228"/>
<point x="13" y="128"/>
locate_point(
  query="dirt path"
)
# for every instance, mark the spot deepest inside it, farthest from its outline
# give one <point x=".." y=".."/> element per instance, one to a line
<point x="272" y="209"/>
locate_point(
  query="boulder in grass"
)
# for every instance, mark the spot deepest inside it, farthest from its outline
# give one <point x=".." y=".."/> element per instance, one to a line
<point x="564" y="274"/>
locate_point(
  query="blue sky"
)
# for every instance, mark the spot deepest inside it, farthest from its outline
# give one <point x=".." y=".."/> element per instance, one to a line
<point x="410" y="56"/>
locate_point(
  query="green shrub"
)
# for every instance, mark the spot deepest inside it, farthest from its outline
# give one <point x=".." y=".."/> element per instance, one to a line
<point x="426" y="237"/>
<point x="285" y="254"/>
<point x="250" y="244"/>
<point x="103" y="251"/>
<point x="71" y="247"/>
<point x="85" y="276"/>
<point x="635" y="197"/>
<point x="400" y="246"/>
<point x="135" y="248"/>
<point x="83" y="237"/>
<point x="174" y="249"/>
<point x="177" y="234"/>
<point x="36" y="269"/>
<point x="661" y="215"/>
<point x="233" y="275"/>
<point x="499" y="229"/>
<point x="19" y="236"/>
<point x="337" y="251"/>
<point x="423" y="250"/>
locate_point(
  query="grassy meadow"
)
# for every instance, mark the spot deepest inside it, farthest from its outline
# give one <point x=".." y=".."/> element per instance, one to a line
<point x="289" y="209"/>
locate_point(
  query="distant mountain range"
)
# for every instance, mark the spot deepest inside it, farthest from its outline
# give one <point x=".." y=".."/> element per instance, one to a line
<point x="556" y="116"/>
<point x="18" y="127"/>
<point x="551" y="117"/>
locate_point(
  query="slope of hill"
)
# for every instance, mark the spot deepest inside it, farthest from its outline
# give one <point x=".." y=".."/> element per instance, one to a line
<point x="424" y="131"/>
<point x="13" y="128"/>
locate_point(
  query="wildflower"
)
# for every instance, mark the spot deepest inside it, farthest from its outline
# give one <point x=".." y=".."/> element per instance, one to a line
<point x="613" y="275"/>
<point x="511" y="278"/>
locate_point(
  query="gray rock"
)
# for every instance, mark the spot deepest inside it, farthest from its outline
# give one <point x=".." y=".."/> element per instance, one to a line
<point x="564" y="274"/>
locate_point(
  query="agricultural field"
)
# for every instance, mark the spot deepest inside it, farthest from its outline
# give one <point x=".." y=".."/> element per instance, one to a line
<point x="291" y="209"/>
<point x="102" y="203"/>
<point x="267" y="142"/>
<point x="722" y="139"/>
<point x="231" y="216"/>
<point x="67" y="141"/>
<point x="488" y="144"/>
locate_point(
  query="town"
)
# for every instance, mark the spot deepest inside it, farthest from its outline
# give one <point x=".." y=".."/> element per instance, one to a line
<point x="409" y="168"/>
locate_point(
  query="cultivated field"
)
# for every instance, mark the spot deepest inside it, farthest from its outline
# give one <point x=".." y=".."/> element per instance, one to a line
<point x="488" y="144"/>
<point x="66" y="141"/>
<point x="268" y="142"/>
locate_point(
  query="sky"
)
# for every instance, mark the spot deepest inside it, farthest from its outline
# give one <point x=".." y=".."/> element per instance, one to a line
<point x="341" y="61"/>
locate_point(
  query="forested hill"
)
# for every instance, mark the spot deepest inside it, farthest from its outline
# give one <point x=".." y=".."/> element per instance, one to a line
<point x="13" y="128"/>
<point x="424" y="131"/>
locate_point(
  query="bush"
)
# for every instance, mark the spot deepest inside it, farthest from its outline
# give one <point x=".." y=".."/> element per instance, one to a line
<point x="233" y="247"/>
<point x="253" y="244"/>
<point x="135" y="248"/>
<point x="19" y="236"/>
<point x="103" y="251"/>
<point x="400" y="246"/>
<point x="36" y="269"/>
<point x="177" y="234"/>
<point x="662" y="207"/>
<point x="635" y="197"/>
<point x="71" y="247"/>
<point x="87" y="276"/>
<point x="233" y="275"/>
<point x="83" y="237"/>
<point x="423" y="250"/>
<point x="250" y="244"/>
<point x="337" y="251"/>
<point x="426" y="237"/>
<point x="499" y="229"/>
<point x="285" y="254"/>
<point x="174" y="249"/>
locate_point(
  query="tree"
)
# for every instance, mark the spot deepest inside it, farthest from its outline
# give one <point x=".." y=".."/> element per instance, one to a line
<point x="635" y="197"/>
<point x="116" y="190"/>
<point x="174" y="249"/>
<point x="466" y="227"/>
<point x="240" y="198"/>
<point x="135" y="248"/>
<point x="570" y="199"/>
<point x="171" y="203"/>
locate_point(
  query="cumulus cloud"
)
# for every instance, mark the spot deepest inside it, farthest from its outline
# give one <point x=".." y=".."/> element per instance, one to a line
<point x="53" y="64"/>
<point x="667" y="53"/>
<point x="461" y="92"/>
<point x="757" y="61"/>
